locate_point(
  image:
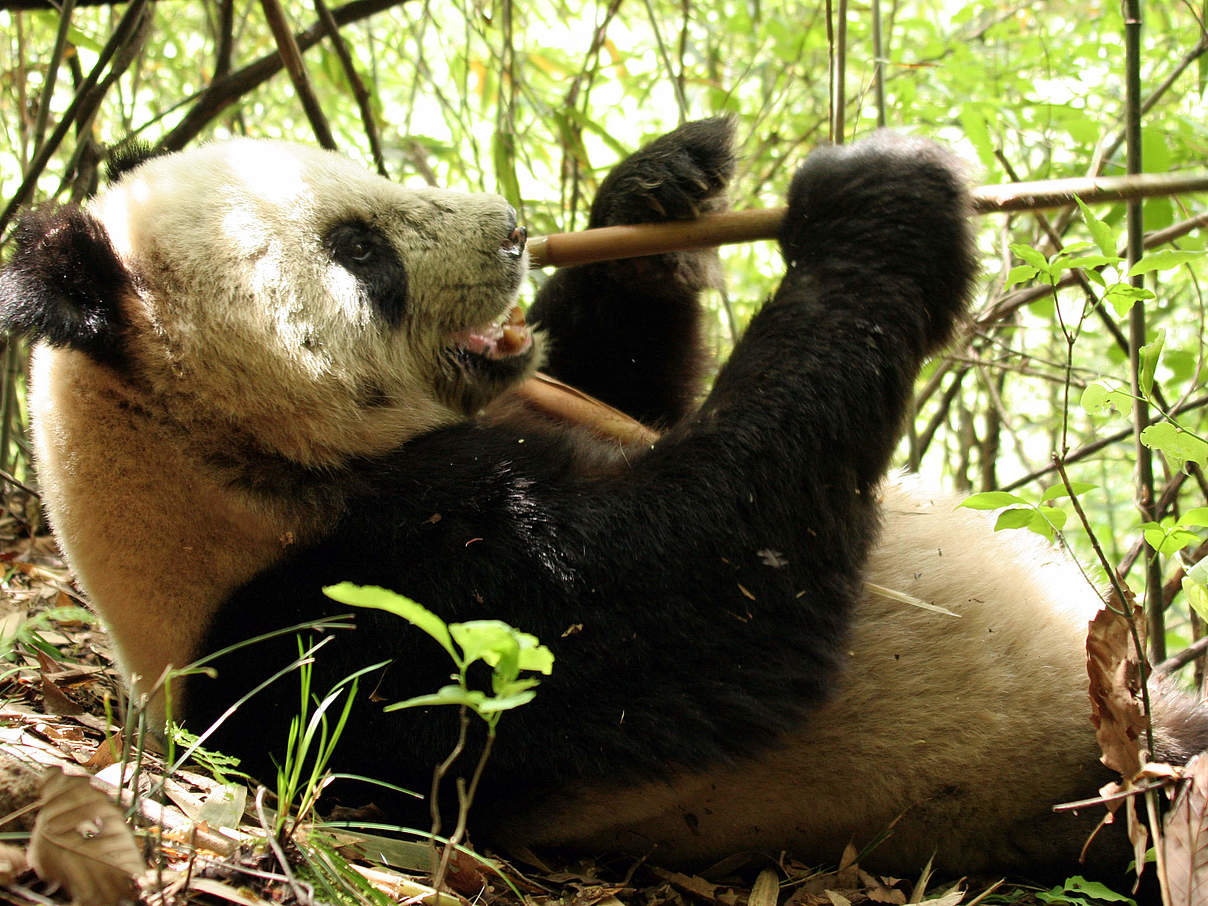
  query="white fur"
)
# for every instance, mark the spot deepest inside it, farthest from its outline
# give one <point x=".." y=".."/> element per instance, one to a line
<point x="246" y="340"/>
<point x="242" y="315"/>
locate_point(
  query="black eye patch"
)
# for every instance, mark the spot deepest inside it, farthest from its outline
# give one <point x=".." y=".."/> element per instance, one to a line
<point x="367" y="254"/>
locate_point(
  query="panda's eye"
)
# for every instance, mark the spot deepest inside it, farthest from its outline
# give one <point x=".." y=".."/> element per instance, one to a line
<point x="355" y="245"/>
<point x="368" y="255"/>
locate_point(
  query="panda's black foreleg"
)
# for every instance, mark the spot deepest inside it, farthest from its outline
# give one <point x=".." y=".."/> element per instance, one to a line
<point x="628" y="331"/>
<point x="711" y="584"/>
<point x="878" y="264"/>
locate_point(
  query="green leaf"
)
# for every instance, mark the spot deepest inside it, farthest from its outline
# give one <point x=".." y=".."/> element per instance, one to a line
<point x="1057" y="491"/>
<point x="503" y="152"/>
<point x="1052" y="516"/>
<point x="991" y="500"/>
<point x="491" y="641"/>
<point x="1102" y="234"/>
<point x="1181" y="364"/>
<point x="1020" y="273"/>
<point x="1021" y="517"/>
<point x="973" y="121"/>
<point x="1162" y="260"/>
<point x="1199" y="572"/>
<point x="451" y="694"/>
<point x="1075" y="887"/>
<point x="373" y="597"/>
<point x="1197" y="595"/>
<point x="1100" y="398"/>
<point x="1167" y="538"/>
<point x="1086" y="262"/>
<point x="500" y="703"/>
<point x="1176" y="444"/>
<point x="502" y="647"/>
<point x="1030" y="256"/>
<point x="1123" y="296"/>
<point x="1197" y="516"/>
<point x="1149" y="355"/>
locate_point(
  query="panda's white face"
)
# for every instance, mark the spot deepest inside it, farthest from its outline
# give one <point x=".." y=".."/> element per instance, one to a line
<point x="317" y="309"/>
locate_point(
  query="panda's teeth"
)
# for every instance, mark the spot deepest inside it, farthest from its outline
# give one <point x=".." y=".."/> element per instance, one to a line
<point x="507" y="336"/>
<point x="512" y="340"/>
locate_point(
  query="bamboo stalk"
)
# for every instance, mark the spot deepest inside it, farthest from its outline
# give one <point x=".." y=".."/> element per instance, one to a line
<point x="608" y="243"/>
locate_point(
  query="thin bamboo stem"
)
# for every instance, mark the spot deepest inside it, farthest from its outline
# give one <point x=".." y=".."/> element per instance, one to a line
<point x="608" y="243"/>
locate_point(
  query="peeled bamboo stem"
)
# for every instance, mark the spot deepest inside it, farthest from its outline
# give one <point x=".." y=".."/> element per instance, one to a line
<point x="608" y="243"/>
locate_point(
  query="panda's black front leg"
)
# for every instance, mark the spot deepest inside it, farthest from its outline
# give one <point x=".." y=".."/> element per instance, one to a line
<point x="711" y="584"/>
<point x="628" y="331"/>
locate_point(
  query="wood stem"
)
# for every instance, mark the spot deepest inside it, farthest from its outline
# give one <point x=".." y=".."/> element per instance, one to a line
<point x="609" y="243"/>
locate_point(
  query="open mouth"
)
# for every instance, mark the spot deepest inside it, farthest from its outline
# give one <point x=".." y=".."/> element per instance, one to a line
<point x="505" y="338"/>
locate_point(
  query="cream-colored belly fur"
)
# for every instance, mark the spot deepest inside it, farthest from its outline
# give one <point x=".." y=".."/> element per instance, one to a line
<point x="968" y="728"/>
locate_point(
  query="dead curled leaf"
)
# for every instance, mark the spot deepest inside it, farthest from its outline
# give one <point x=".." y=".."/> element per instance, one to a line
<point x="1185" y="839"/>
<point x="81" y="842"/>
<point x="1115" y="691"/>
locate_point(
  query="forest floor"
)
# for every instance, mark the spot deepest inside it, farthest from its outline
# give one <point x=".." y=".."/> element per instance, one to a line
<point x="198" y="835"/>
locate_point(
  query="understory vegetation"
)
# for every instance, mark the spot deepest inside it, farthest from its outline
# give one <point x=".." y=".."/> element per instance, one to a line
<point x="1073" y="401"/>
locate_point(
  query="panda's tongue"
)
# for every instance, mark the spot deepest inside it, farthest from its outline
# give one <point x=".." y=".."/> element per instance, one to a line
<point x="498" y="341"/>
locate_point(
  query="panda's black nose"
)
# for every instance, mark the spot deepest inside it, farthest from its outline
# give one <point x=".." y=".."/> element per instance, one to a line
<point x="514" y="244"/>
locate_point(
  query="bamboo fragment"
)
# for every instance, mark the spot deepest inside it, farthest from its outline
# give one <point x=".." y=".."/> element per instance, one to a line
<point x="609" y="243"/>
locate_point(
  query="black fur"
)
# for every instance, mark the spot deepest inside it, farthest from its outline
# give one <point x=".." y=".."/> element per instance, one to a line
<point x="364" y="252"/>
<point x="628" y="332"/>
<point x="697" y="604"/>
<point x="127" y="156"/>
<point x="65" y="283"/>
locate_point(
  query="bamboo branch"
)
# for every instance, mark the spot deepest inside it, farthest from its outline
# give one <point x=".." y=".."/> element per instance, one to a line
<point x="82" y="105"/>
<point x="359" y="92"/>
<point x="608" y="243"/>
<point x="228" y="89"/>
<point x="291" y="56"/>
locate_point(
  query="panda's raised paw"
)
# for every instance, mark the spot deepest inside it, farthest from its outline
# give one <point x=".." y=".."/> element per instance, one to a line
<point x="678" y="176"/>
<point x="885" y="205"/>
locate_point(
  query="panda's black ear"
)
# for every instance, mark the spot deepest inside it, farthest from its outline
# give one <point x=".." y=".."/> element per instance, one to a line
<point x="64" y="283"/>
<point x="129" y="155"/>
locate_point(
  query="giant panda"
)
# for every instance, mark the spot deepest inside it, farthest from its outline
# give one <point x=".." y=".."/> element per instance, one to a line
<point x="260" y="370"/>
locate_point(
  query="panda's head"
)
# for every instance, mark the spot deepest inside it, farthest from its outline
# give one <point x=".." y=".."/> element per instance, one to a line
<point x="282" y="296"/>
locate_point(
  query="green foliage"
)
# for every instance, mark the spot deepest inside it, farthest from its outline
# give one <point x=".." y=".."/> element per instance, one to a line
<point x="26" y="630"/>
<point x="216" y="764"/>
<point x="507" y="651"/>
<point x="312" y="740"/>
<point x="1018" y="511"/>
<point x="1078" y="891"/>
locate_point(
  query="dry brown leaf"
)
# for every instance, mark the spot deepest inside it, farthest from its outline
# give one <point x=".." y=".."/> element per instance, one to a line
<point x="1138" y="834"/>
<point x="693" y="884"/>
<point x="1185" y="839"/>
<point x="951" y="898"/>
<point x="1115" y="690"/>
<point x="81" y="842"/>
<point x="837" y="898"/>
<point x="766" y="889"/>
<point x="848" y="875"/>
<point x="879" y="893"/>
<point x="107" y="753"/>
